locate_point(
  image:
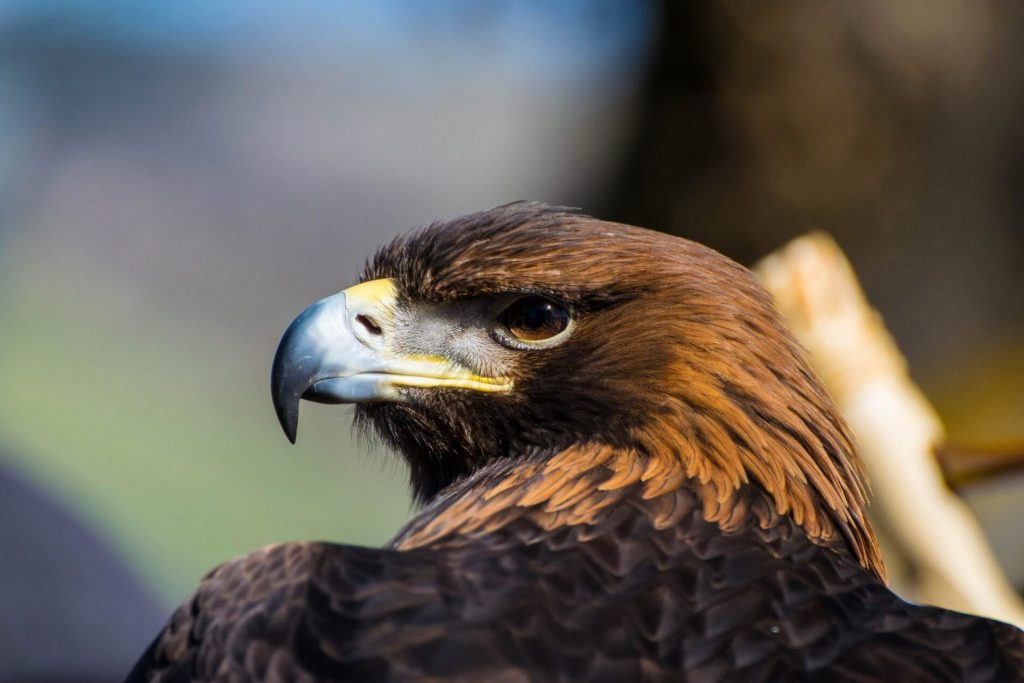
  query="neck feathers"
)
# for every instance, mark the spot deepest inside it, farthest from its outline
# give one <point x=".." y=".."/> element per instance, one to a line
<point x="742" y="411"/>
<point x="588" y="484"/>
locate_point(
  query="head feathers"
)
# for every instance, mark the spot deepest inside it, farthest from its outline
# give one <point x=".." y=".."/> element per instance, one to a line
<point x="678" y="357"/>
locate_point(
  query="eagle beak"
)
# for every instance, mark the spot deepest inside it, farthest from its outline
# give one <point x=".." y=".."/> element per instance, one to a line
<point x="342" y="349"/>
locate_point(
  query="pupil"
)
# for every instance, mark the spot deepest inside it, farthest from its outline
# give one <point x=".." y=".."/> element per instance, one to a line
<point x="538" y="317"/>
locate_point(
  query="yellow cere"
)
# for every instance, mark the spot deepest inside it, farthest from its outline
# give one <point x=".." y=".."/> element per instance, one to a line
<point x="377" y="293"/>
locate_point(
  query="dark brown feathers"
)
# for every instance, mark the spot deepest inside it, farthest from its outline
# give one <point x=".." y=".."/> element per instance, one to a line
<point x="644" y="590"/>
<point x="667" y="495"/>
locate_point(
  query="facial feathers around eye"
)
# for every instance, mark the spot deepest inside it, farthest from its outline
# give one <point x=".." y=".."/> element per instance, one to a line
<point x="628" y="473"/>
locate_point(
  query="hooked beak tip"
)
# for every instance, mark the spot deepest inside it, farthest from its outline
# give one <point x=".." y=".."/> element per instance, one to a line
<point x="287" y="408"/>
<point x="298" y="359"/>
<point x="291" y="435"/>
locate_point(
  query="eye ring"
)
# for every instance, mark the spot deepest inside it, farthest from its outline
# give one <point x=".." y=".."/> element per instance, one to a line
<point x="534" y="321"/>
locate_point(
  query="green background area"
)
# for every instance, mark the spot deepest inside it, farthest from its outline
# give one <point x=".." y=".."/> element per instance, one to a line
<point x="173" y="449"/>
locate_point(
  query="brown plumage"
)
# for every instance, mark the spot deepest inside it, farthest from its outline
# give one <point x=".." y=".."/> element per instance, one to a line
<point x="662" y="491"/>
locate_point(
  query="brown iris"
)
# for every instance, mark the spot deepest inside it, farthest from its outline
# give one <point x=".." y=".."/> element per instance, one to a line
<point x="534" y="318"/>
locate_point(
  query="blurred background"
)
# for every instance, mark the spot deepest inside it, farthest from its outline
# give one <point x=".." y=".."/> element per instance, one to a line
<point x="179" y="180"/>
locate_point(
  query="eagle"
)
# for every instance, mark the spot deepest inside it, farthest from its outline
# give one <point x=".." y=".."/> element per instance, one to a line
<point x="627" y="472"/>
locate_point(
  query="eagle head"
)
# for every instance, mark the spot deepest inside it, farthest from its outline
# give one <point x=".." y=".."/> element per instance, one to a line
<point x="524" y="330"/>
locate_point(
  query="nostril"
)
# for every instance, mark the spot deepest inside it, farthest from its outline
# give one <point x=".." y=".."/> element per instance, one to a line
<point x="370" y="324"/>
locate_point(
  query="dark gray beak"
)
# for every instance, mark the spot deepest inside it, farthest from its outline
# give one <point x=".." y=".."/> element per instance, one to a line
<point x="342" y="349"/>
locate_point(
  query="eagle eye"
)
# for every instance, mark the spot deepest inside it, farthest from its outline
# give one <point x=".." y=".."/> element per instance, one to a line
<point x="535" y="319"/>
